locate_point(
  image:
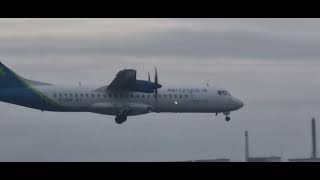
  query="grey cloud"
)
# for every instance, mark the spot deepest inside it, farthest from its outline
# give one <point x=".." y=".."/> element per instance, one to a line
<point x="176" y="44"/>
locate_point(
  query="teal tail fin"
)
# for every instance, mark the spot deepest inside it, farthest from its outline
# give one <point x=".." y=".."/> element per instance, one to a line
<point x="9" y="79"/>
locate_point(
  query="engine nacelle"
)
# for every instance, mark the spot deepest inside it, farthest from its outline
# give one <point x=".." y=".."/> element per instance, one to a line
<point x="137" y="109"/>
<point x="110" y="108"/>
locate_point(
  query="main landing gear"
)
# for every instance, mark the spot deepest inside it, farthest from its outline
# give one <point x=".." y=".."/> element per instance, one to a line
<point x="122" y="115"/>
<point x="121" y="119"/>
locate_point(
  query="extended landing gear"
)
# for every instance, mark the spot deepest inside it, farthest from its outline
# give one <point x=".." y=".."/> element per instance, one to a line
<point x="121" y="118"/>
<point x="227" y="116"/>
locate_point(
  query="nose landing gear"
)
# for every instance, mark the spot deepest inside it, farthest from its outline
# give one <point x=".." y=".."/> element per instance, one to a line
<point x="227" y="116"/>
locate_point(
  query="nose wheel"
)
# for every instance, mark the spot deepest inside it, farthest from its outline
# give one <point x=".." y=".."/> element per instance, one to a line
<point x="227" y="116"/>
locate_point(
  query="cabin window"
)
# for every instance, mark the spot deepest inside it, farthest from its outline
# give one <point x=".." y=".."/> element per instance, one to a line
<point x="66" y="95"/>
<point x="137" y="96"/>
<point x="81" y="95"/>
<point x="131" y="96"/>
<point x="110" y="95"/>
<point x="148" y="96"/>
<point x="92" y="95"/>
<point x="142" y="96"/>
<point x="159" y="95"/>
<point x="165" y="96"/>
<point x="170" y="96"/>
<point x="60" y="95"/>
<point x="76" y="95"/>
<point x="104" y="95"/>
<point x="115" y="95"/>
<point x="55" y="95"/>
<point x="180" y="96"/>
<point x="175" y="96"/>
<point x="98" y="95"/>
<point x="70" y="95"/>
<point x="87" y="95"/>
<point x="186" y="96"/>
<point x="120" y="95"/>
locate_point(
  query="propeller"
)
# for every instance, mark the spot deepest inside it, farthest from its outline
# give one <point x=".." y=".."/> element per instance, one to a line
<point x="149" y="77"/>
<point x="156" y="81"/>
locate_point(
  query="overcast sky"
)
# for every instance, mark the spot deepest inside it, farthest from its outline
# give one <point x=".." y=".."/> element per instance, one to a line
<point x="271" y="64"/>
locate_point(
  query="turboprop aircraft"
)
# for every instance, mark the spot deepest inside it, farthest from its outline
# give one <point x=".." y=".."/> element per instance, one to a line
<point x="124" y="96"/>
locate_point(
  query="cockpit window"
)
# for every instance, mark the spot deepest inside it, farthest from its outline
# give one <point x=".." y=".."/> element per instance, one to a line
<point x="224" y="93"/>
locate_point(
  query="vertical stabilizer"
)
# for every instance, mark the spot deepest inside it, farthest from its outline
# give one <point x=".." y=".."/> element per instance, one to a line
<point x="9" y="79"/>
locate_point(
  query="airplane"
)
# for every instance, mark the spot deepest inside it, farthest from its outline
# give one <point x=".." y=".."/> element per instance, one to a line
<point x="124" y="96"/>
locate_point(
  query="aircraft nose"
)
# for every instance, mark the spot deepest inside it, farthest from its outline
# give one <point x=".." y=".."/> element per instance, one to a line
<point x="241" y="104"/>
<point x="238" y="103"/>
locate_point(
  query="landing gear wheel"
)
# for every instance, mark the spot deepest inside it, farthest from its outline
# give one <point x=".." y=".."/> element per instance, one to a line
<point x="228" y="118"/>
<point x="121" y="119"/>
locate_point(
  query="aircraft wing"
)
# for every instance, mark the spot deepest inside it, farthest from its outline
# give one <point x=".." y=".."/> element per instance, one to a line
<point x="125" y="80"/>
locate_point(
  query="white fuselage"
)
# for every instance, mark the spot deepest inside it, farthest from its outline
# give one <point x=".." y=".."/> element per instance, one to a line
<point x="170" y="99"/>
